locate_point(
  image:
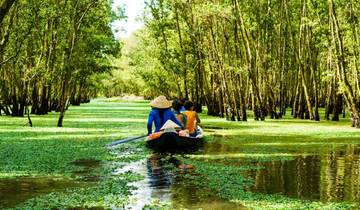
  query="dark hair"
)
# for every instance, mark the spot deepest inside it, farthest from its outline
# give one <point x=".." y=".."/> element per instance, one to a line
<point x="177" y="104"/>
<point x="183" y="100"/>
<point x="188" y="105"/>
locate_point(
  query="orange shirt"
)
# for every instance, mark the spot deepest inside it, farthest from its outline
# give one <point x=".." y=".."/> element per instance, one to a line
<point x="191" y="121"/>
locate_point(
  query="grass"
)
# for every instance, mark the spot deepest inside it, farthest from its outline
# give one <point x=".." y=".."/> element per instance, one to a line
<point x="46" y="150"/>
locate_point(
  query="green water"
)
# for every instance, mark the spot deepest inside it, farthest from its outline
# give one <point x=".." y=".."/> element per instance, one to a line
<point x="276" y="164"/>
<point x="327" y="176"/>
<point x="15" y="191"/>
<point x="165" y="182"/>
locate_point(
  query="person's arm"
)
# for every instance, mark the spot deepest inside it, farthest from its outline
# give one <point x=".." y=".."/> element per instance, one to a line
<point x="184" y="120"/>
<point x="175" y="120"/>
<point x="149" y="123"/>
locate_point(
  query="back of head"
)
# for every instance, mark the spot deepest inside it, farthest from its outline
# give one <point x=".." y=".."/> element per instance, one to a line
<point x="177" y="104"/>
<point x="183" y="100"/>
<point x="189" y="105"/>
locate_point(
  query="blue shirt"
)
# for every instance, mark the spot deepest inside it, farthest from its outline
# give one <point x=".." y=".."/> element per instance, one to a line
<point x="155" y="117"/>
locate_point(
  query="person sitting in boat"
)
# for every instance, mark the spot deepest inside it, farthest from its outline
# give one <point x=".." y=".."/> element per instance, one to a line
<point x="192" y="118"/>
<point x="177" y="106"/>
<point x="160" y="114"/>
<point x="182" y="109"/>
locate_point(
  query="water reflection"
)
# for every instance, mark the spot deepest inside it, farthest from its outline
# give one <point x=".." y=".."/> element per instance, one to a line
<point x="15" y="191"/>
<point x="333" y="176"/>
<point x="340" y="175"/>
<point x="164" y="182"/>
<point x="159" y="177"/>
<point x="298" y="178"/>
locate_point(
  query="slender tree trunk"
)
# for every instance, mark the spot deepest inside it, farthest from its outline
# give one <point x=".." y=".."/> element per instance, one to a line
<point x="4" y="8"/>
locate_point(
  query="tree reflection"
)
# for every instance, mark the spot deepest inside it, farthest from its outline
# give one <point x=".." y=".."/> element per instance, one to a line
<point x="330" y="177"/>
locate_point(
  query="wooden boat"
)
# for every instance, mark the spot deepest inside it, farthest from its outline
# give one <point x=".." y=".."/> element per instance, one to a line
<point x="169" y="141"/>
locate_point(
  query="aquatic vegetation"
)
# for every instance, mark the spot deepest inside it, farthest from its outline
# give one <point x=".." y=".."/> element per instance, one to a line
<point x="157" y="205"/>
<point x="229" y="183"/>
<point x="110" y="193"/>
<point x="76" y="152"/>
<point x="235" y="154"/>
<point x="239" y="154"/>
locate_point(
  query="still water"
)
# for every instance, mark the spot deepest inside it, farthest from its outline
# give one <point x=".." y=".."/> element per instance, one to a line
<point x="166" y="185"/>
<point x="332" y="175"/>
<point x="329" y="175"/>
<point x="17" y="190"/>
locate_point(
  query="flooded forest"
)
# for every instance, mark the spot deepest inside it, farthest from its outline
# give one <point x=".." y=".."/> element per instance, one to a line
<point x="179" y="104"/>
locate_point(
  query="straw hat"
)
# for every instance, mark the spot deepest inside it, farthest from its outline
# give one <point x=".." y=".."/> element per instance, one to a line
<point x="169" y="124"/>
<point x="161" y="103"/>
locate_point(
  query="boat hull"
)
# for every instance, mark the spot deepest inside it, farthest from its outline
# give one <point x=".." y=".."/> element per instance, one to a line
<point x="171" y="141"/>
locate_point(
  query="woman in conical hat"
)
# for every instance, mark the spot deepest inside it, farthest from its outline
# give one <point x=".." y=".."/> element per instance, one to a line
<point x="160" y="113"/>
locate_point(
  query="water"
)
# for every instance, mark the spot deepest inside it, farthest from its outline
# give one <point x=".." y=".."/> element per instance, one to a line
<point x="17" y="190"/>
<point x="332" y="175"/>
<point x="163" y="183"/>
<point x="85" y="169"/>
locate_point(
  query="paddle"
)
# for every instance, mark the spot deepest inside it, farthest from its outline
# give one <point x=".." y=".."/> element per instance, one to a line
<point x="125" y="140"/>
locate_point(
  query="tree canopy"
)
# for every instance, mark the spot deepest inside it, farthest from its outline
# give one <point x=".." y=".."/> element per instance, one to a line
<point x="232" y="56"/>
<point x="50" y="50"/>
<point x="266" y="56"/>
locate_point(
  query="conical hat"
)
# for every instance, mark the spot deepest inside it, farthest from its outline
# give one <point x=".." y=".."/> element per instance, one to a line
<point x="161" y="103"/>
<point x="169" y="124"/>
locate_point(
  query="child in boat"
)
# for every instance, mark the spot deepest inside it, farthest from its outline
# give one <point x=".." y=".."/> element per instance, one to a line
<point x="192" y="118"/>
<point x="182" y="109"/>
<point x="177" y="106"/>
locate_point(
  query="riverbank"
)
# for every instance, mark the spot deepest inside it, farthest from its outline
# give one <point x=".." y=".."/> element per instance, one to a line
<point x="276" y="164"/>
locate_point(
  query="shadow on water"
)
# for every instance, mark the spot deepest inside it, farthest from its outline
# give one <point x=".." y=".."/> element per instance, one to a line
<point x="17" y="190"/>
<point x="164" y="181"/>
<point x="85" y="169"/>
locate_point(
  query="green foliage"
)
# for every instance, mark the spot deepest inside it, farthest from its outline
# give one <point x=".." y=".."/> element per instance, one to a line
<point x="139" y="72"/>
<point x="50" y="52"/>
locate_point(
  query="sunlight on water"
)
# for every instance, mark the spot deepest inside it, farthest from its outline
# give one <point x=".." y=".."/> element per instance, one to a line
<point x="165" y="185"/>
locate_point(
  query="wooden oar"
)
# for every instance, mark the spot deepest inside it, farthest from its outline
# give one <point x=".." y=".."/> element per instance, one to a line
<point x="125" y="140"/>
